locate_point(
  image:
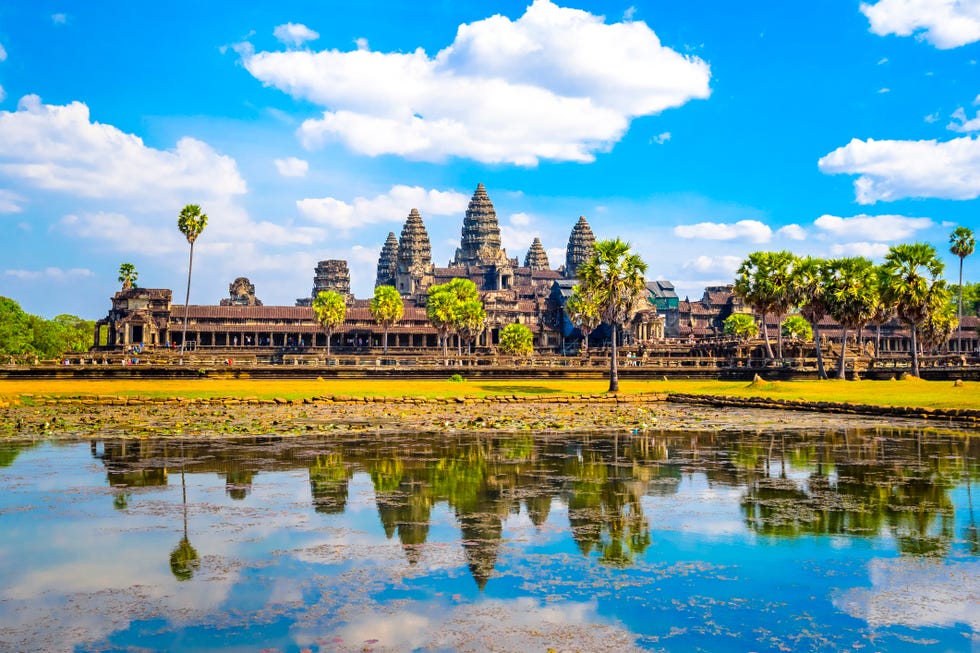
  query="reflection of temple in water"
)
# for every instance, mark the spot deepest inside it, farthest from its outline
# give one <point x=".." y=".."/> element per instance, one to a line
<point x="856" y="483"/>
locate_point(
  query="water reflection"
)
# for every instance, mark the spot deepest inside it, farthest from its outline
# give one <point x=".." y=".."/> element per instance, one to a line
<point x="859" y="483"/>
<point x="676" y="540"/>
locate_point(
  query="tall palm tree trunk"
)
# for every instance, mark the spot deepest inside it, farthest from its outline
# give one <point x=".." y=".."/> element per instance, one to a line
<point x="386" y="340"/>
<point x="842" y="363"/>
<point x="328" y="343"/>
<point x="614" y="363"/>
<point x="821" y="372"/>
<point x="959" y="315"/>
<point x="187" y="301"/>
<point x="915" y="351"/>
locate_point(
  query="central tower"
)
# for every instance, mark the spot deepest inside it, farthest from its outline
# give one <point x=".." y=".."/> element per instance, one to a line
<point x="480" y="243"/>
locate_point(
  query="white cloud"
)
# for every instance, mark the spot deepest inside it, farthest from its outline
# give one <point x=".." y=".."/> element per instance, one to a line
<point x="884" y="90"/>
<point x="865" y="249"/>
<point x="661" y="138"/>
<point x="943" y="23"/>
<point x="521" y="219"/>
<point x="3" y="94"/>
<point x="882" y="61"/>
<point x="50" y="274"/>
<point x="725" y="265"/>
<point x="292" y="167"/>
<point x="873" y="227"/>
<point x="557" y="84"/>
<point x="59" y="19"/>
<point x="792" y="231"/>
<point x="743" y="229"/>
<point x="362" y="43"/>
<point x="392" y="206"/>
<point x="961" y="123"/>
<point x="294" y="34"/>
<point x="891" y="170"/>
<point x="10" y="202"/>
<point x="932" y="117"/>
<point x="59" y="148"/>
<point x="3" y="53"/>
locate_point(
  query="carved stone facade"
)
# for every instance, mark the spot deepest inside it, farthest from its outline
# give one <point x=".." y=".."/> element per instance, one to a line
<point x="414" y="269"/>
<point x="537" y="258"/>
<point x="241" y="292"/>
<point x="388" y="262"/>
<point x="581" y="245"/>
<point x="480" y="242"/>
<point x="329" y="276"/>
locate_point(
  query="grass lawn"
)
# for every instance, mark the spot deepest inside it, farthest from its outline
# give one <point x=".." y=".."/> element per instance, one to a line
<point x="912" y="392"/>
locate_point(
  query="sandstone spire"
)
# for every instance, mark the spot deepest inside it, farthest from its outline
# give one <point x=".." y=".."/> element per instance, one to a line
<point x="581" y="245"/>
<point x="480" y="241"/>
<point x="414" y="270"/>
<point x="536" y="258"/>
<point x="387" y="262"/>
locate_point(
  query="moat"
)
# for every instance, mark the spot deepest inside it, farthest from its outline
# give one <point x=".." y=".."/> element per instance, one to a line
<point x="763" y="540"/>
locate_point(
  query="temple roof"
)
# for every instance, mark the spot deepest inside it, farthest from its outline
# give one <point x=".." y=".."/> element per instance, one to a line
<point x="537" y="258"/>
<point x="581" y="245"/>
<point x="414" y="246"/>
<point x="481" y="231"/>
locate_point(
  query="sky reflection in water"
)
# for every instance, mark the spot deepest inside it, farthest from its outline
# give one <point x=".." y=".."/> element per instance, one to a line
<point x="669" y="541"/>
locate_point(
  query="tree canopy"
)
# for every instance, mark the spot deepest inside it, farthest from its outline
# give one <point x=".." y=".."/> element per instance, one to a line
<point x="516" y="339"/>
<point x="23" y="334"/>
<point x="330" y="310"/>
<point x="387" y="308"/>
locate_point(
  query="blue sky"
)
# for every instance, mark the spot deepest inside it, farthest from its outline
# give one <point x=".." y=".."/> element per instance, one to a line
<point x="308" y="130"/>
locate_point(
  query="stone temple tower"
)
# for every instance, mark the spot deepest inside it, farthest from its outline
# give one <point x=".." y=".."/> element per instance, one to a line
<point x="581" y="245"/>
<point x="388" y="262"/>
<point x="537" y="258"/>
<point x="414" y="267"/>
<point x="480" y="244"/>
<point x="329" y="276"/>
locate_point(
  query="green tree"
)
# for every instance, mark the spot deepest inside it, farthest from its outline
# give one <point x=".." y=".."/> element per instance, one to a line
<point x="470" y="320"/>
<point x="807" y="289"/>
<point x="961" y="243"/>
<point x="15" y="328"/>
<point x="128" y="276"/>
<point x="387" y="308"/>
<point x="583" y="313"/>
<point x="971" y="297"/>
<point x="795" y="327"/>
<point x="516" y="339"/>
<point x="942" y="321"/>
<point x="330" y="310"/>
<point x="913" y="269"/>
<point x="852" y="294"/>
<point x="443" y="306"/>
<point x="613" y="275"/>
<point x="78" y="332"/>
<point x="763" y="282"/>
<point x="191" y="223"/>
<point x="741" y="325"/>
<point x="48" y="338"/>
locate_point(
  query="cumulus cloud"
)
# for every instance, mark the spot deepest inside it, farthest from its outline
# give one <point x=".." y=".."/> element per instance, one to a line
<point x="557" y="83"/>
<point x="752" y="230"/>
<point x="943" y="23"/>
<point x="891" y="170"/>
<point x="865" y="249"/>
<point x="50" y="274"/>
<point x="718" y="265"/>
<point x="59" y="19"/>
<point x="294" y="34"/>
<point x="661" y="138"/>
<point x="792" y="231"/>
<point x="961" y="123"/>
<point x="873" y="227"/>
<point x="392" y="206"/>
<point x="60" y="148"/>
<point x="292" y="167"/>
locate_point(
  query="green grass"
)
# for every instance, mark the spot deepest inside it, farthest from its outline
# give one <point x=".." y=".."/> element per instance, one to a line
<point x="913" y="392"/>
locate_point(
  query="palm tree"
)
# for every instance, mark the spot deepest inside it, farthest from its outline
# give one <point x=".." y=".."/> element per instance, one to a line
<point x="852" y="294"/>
<point x="191" y="223"/>
<point x="184" y="559"/>
<point x="583" y="313"/>
<point x="387" y="308"/>
<point x="614" y="277"/>
<point x="961" y="243"/>
<point x="807" y="289"/>
<point x="330" y="310"/>
<point x="764" y="283"/>
<point x="470" y="320"/>
<point x="128" y="276"/>
<point x="913" y="269"/>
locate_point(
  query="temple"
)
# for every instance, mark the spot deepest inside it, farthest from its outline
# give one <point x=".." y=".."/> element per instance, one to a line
<point x="531" y="293"/>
